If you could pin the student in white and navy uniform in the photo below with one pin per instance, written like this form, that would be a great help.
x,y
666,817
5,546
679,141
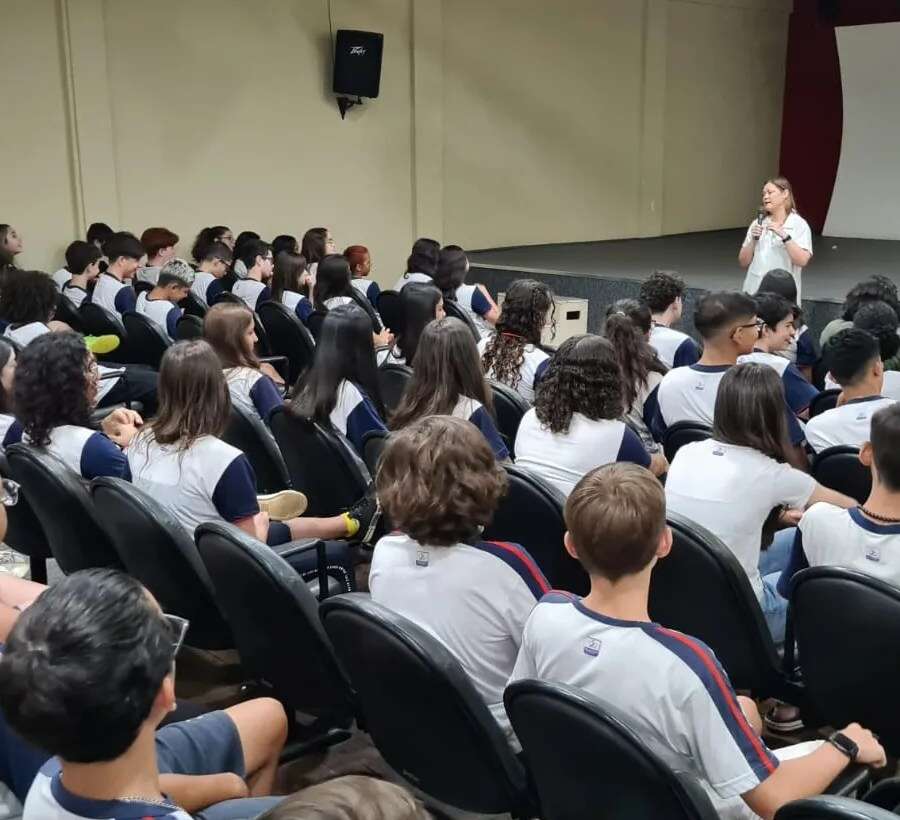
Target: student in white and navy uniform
x,y
801,350
421,263
730,483
211,269
853,357
252,288
447,380
420,304
82,269
511,355
334,289
288,279
113,289
159,245
668,687
486,589
476,302
161,304
10,429
27,304
360,261
663,292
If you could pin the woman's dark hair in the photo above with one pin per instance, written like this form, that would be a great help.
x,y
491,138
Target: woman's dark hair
x,y
418,301
781,282
447,369
51,385
6,399
193,395
313,247
244,238
451,270
284,242
750,412
333,279
583,377
251,250
6,257
637,359
879,319
98,233
225,328
639,313
874,289
522,319
84,664
772,309
289,267
28,296
424,256
205,238
344,353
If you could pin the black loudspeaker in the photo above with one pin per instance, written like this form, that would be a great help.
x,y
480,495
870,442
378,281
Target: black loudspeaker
x,y
357,63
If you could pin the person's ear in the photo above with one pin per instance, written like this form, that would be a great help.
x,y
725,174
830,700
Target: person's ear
x,y
165,702
570,545
866,455
664,547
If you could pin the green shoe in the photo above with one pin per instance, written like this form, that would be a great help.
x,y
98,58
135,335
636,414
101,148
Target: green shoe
x,y
99,345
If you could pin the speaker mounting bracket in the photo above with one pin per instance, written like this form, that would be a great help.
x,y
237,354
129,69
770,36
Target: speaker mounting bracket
x,y
345,104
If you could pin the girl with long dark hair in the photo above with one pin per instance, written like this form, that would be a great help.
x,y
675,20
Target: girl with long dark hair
x,y
290,282
450,278
421,304
334,288
421,264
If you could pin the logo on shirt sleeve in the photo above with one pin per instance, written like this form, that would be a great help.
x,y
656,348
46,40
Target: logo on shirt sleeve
x,y
422,558
873,554
592,647
718,451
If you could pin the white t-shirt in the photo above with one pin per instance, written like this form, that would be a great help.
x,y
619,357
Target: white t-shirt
x,y
254,392
848,424
563,458
148,273
798,392
253,293
890,390
404,280
730,491
687,394
62,276
74,294
113,294
770,252
674,348
534,365
23,334
161,311
473,301
486,592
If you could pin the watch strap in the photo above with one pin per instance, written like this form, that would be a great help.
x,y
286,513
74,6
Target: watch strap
x,y
843,744
786,238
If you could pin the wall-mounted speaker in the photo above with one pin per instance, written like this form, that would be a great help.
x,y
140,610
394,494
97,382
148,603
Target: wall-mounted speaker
x,y
357,63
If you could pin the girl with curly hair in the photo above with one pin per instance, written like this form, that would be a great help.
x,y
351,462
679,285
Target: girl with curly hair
x,y
27,305
880,319
575,424
440,485
512,355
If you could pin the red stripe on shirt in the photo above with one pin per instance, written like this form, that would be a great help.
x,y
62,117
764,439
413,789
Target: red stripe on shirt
x,y
527,560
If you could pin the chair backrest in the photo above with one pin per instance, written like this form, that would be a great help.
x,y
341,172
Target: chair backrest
x,y
314,323
422,710
288,337
68,313
509,407
320,464
701,589
374,443
247,432
62,504
158,551
194,306
140,286
531,514
274,619
605,762
390,309
681,433
24,532
831,807
147,341
189,327
826,400
392,381
839,468
98,321
845,624
453,308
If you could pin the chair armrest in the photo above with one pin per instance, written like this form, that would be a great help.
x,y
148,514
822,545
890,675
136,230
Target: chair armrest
x,y
293,547
280,363
323,580
851,782
100,413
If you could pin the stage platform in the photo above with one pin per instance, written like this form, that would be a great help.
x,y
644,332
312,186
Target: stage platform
x,y
602,272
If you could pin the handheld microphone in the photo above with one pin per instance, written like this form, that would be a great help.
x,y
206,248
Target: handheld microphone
x,y
760,216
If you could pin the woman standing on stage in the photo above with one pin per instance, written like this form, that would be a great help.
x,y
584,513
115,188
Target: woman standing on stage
x,y
778,238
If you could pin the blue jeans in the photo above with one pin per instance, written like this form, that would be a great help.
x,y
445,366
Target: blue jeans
x,y
771,563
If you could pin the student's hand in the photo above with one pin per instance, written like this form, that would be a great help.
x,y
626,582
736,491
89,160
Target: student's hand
x,y
790,518
658,464
871,752
383,339
272,373
122,425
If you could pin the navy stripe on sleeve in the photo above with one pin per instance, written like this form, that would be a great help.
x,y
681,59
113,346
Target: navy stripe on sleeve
x,y
480,303
172,318
13,434
362,419
483,421
101,457
303,310
651,407
518,559
687,353
125,299
235,494
265,295
540,371
265,397
797,391
632,449
796,561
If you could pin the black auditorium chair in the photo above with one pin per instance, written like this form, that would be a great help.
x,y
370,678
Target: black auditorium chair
x,y
605,764
158,551
189,327
392,381
681,433
314,323
422,710
194,306
68,313
321,463
374,443
531,514
701,589
24,532
96,320
288,337
839,468
826,400
390,309
829,807
62,504
147,341
452,308
247,432
509,407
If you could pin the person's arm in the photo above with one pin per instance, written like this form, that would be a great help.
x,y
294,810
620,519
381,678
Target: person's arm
x,y
15,595
234,498
799,255
195,792
745,257
831,497
256,526
492,313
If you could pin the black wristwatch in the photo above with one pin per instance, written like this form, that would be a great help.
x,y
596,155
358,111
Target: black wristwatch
x,y
786,238
842,743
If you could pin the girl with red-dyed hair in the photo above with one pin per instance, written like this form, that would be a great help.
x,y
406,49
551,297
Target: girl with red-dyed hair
x,y
360,262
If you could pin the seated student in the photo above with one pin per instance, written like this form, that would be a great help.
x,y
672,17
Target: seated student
x,y
450,278
180,460
173,281
874,289
447,381
667,686
802,350
776,315
420,304
576,422
54,392
880,319
27,304
159,245
853,359
360,261
285,243
334,288
238,268
317,243
110,760
341,387
288,282
512,354
98,233
215,259
663,293
113,289
230,330
11,246
81,270
252,287
10,429
439,485
215,234
730,483
421,264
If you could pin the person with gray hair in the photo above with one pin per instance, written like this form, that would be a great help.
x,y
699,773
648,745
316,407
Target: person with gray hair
x,y
161,304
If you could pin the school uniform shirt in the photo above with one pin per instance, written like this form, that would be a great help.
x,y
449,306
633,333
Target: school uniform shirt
x,y
86,452
798,392
298,303
252,292
475,412
730,491
422,278
890,389
337,301
667,686
367,288
770,252
113,294
206,287
210,481
641,413
801,350
165,313
534,365
848,424
148,273
253,391
486,590
674,348
472,300
354,415
76,295
61,276
23,334
10,430
563,458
